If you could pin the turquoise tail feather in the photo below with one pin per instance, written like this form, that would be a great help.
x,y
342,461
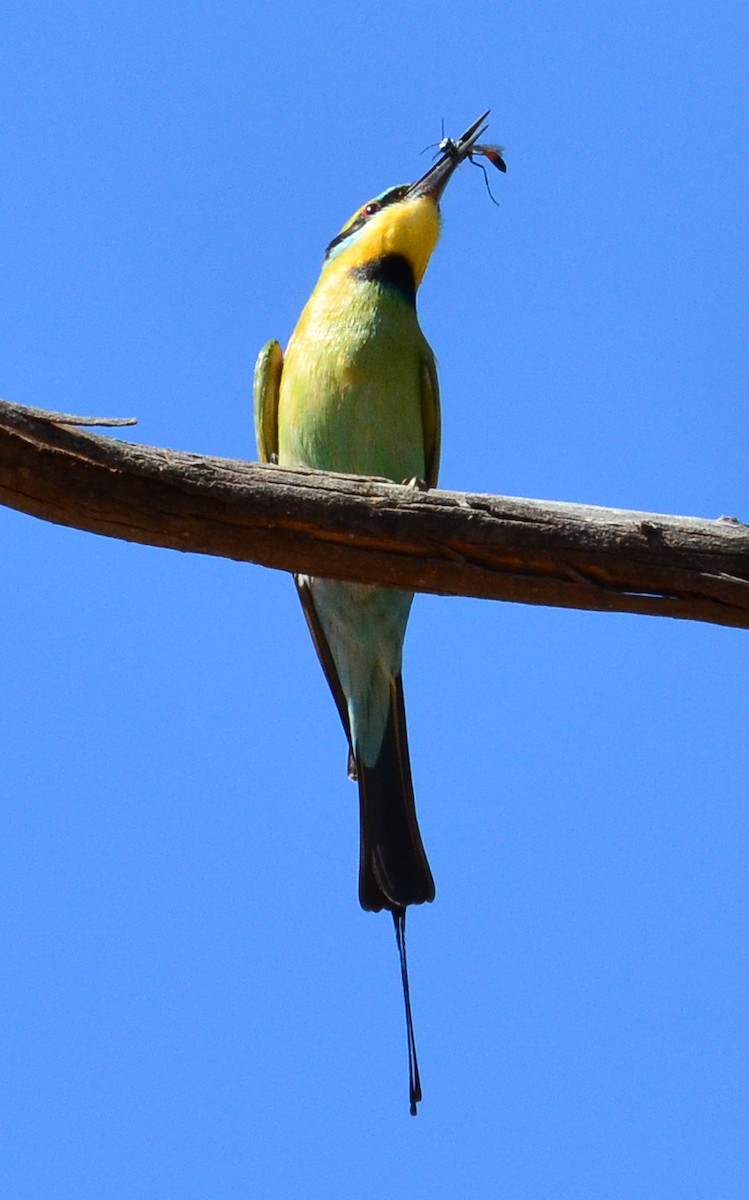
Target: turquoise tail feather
x,y
393,867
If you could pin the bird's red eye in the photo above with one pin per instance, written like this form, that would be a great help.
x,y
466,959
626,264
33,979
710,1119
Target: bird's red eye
x,y
371,208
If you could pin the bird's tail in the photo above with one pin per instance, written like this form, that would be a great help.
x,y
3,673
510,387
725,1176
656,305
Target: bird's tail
x,y
393,867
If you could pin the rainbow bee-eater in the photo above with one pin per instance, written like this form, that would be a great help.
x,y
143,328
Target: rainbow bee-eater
x,y
357,392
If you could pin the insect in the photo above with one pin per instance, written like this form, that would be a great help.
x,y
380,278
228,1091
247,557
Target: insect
x,y
449,148
493,153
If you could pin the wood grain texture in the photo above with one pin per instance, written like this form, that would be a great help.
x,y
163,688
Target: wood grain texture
x,y
346,527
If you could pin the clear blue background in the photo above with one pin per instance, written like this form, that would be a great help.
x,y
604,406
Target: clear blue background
x,y
193,1004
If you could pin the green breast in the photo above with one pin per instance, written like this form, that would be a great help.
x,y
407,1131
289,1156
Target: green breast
x,y
350,396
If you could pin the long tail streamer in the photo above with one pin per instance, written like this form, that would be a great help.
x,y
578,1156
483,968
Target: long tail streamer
x,y
414,1080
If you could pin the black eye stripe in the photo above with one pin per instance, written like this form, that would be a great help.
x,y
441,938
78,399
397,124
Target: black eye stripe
x,y
392,196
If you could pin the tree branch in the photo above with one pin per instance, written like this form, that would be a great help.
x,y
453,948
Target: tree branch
x,y
346,527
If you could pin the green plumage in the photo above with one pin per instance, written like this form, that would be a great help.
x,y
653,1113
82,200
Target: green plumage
x,y
351,394
357,392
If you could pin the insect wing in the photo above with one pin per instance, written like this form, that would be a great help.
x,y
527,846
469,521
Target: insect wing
x,y
494,154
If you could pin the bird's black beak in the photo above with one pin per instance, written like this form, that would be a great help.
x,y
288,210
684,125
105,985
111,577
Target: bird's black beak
x,y
437,177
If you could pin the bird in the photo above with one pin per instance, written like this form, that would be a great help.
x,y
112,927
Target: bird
x,y
357,392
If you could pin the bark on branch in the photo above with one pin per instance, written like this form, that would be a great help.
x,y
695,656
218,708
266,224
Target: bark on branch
x,y
346,527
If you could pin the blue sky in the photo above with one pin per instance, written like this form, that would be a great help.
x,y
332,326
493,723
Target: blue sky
x,y
193,1003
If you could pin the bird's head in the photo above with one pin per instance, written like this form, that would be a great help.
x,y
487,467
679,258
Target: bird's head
x,y
403,222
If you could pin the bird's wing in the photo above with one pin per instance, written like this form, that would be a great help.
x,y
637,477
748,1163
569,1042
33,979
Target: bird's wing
x,y
430,417
325,655
266,387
